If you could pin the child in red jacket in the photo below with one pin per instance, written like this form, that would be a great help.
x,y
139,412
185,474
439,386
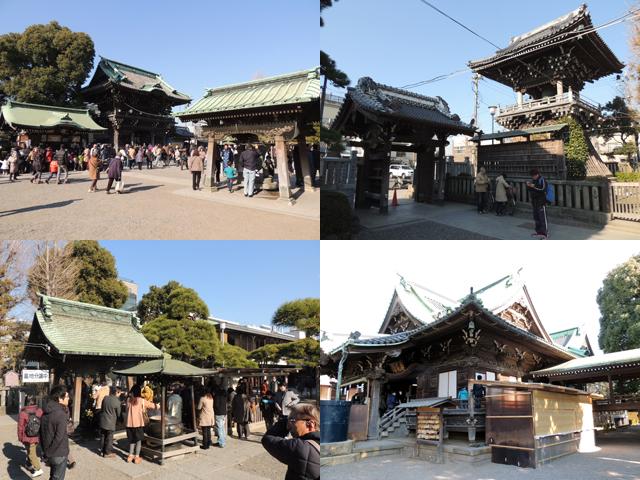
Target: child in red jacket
x,y
29,433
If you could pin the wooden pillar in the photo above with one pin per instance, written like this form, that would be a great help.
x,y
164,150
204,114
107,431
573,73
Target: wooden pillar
x,y
163,419
116,138
153,138
361,165
210,174
610,389
559,88
283,168
77,397
520,97
384,183
374,411
441,171
193,415
303,151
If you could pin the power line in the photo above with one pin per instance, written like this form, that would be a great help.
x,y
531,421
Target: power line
x,y
625,17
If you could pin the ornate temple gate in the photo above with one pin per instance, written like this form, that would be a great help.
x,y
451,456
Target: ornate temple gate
x,y
385,119
261,110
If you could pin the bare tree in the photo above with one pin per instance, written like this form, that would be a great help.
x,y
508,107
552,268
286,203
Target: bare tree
x,y
54,272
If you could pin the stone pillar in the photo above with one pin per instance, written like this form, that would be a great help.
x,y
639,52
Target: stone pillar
x,y
559,88
77,396
132,140
116,138
374,408
520,97
303,151
570,92
153,138
283,168
210,173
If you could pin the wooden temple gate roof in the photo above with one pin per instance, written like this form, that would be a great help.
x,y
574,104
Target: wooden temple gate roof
x,y
385,104
30,116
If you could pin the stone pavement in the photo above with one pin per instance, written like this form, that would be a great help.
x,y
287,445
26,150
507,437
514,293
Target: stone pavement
x,y
157,204
618,458
239,460
411,220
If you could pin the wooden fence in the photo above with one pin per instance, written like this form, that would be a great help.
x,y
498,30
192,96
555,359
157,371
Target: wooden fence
x,y
588,201
339,173
626,201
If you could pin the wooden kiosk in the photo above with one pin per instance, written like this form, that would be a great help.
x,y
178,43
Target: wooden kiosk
x,y
166,371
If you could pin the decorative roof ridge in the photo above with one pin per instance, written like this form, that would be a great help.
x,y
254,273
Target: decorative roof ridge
x,y
11,103
573,17
266,80
131,67
46,302
564,331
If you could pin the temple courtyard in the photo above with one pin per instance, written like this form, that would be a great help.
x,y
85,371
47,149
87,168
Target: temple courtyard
x,y
239,460
157,203
618,458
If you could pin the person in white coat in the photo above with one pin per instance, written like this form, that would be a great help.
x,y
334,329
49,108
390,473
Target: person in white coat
x,y
502,186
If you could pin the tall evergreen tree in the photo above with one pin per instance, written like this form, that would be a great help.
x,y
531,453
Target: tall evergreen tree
x,y
98,281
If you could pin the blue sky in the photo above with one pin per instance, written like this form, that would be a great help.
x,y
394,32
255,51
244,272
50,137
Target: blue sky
x,y
242,281
400,42
193,44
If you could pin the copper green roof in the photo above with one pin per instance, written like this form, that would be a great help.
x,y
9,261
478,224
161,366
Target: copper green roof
x,y
32,116
290,89
74,328
597,363
137,79
166,366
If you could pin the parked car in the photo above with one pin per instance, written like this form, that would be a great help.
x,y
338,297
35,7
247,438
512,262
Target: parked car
x,y
401,171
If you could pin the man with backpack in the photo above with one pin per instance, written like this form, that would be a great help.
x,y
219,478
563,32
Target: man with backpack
x,y
538,191
301,453
29,433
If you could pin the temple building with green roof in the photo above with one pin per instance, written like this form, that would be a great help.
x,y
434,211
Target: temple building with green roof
x,y
134,104
46,124
78,340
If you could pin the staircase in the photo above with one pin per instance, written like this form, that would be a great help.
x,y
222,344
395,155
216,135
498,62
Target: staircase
x,y
397,422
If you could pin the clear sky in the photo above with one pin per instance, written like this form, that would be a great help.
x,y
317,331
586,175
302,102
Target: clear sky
x,y
241,281
563,278
193,44
400,42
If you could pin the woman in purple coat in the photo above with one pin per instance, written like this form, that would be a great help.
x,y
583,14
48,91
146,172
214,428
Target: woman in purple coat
x,y
114,172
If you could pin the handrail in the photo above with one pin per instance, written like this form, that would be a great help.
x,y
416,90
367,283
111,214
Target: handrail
x,y
568,97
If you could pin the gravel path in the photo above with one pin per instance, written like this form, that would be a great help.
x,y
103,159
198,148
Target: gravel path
x,y
152,207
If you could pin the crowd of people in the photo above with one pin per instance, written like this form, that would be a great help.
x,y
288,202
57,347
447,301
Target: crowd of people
x,y
239,163
108,408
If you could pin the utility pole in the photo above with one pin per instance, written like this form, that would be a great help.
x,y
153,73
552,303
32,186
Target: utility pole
x,y
476,101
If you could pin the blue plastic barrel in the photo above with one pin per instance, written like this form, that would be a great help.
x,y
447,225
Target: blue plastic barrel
x,y
334,420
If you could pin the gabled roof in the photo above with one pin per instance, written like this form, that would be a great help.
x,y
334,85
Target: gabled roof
x,y
134,78
398,104
471,301
237,327
165,366
575,26
290,89
75,328
424,305
33,116
574,340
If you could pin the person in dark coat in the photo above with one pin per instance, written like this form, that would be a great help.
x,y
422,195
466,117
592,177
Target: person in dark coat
x,y
250,159
114,172
111,410
538,193
53,432
30,442
302,452
241,411
268,408
220,411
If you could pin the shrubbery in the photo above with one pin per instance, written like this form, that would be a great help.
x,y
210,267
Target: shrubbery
x,y
628,176
335,216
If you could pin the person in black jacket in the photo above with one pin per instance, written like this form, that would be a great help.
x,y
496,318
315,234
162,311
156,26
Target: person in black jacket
x,y
220,412
250,159
53,432
302,452
538,192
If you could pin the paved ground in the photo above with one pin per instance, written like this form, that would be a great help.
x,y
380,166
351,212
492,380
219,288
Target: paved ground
x,y
451,221
157,204
239,460
618,458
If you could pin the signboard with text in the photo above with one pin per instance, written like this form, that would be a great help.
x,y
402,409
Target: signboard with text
x,y
35,376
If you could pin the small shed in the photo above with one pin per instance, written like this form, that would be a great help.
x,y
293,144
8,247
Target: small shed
x,y
166,370
528,424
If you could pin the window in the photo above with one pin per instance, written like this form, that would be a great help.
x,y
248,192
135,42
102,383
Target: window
x,y
447,384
